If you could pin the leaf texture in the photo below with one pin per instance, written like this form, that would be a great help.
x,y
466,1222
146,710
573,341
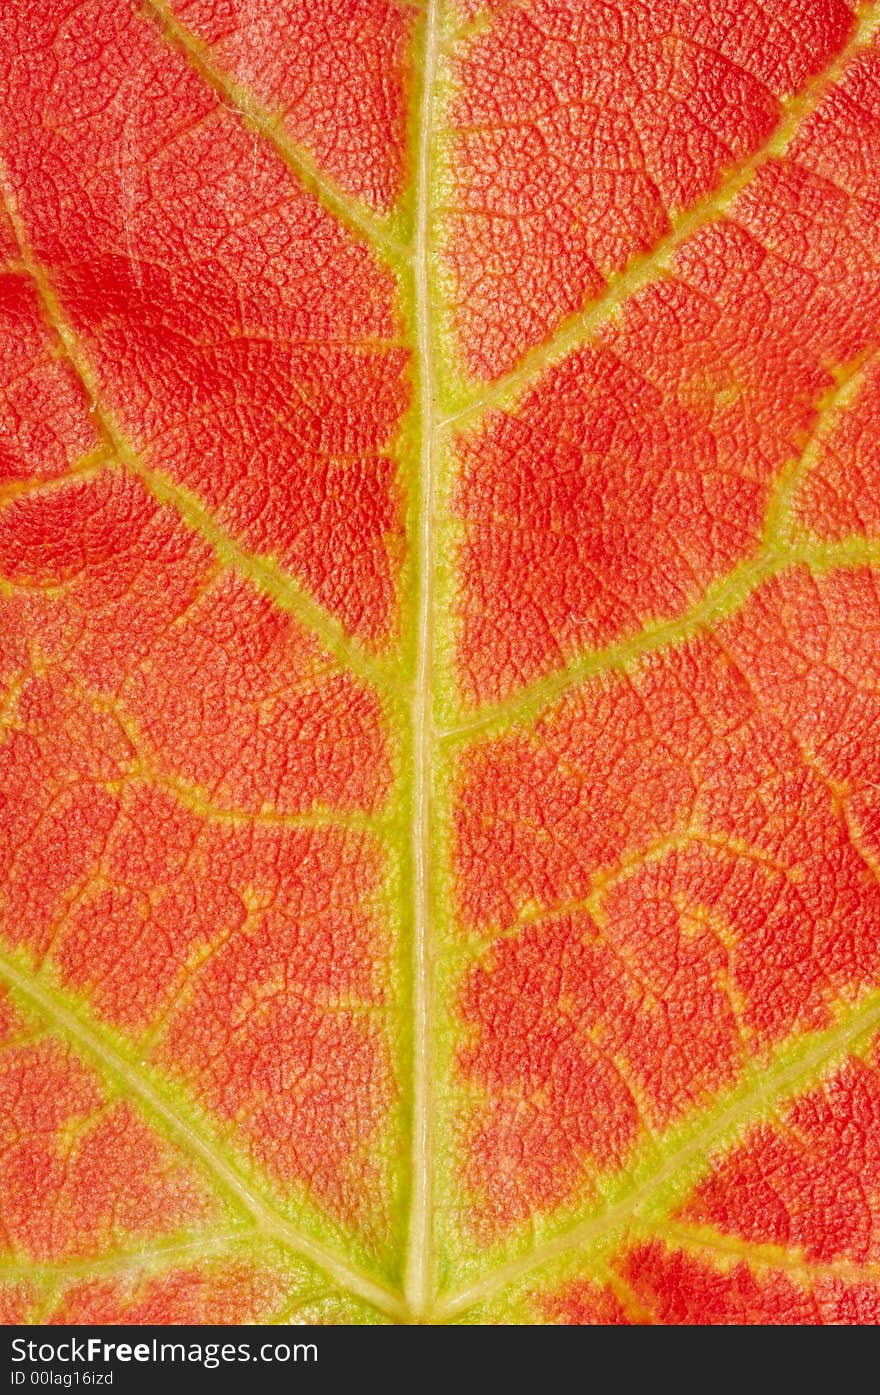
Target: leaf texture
x,y
440,661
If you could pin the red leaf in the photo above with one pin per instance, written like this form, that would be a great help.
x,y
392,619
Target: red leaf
x,y
439,663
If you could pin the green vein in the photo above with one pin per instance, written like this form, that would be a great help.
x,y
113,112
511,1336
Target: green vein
x,y
88,467
350,211
169,1108
263,571
661,1175
155,1258
194,799
776,553
584,325
605,879
419,1262
721,600
150,1257
193,796
466,30
733,1249
833,404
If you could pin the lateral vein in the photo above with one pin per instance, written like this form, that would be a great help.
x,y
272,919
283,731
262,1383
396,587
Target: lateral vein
x,y
263,571
264,123
583,326
658,1181
156,1256
187,1131
695,1238
775,553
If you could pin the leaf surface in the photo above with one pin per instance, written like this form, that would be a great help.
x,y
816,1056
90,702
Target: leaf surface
x,y
439,662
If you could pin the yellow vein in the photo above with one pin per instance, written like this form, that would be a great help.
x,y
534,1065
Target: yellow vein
x,y
419,1263
152,1257
86,468
264,572
269,126
184,1126
627,1297
848,384
603,881
194,797
695,1238
659,1179
722,600
481,23
191,797
584,325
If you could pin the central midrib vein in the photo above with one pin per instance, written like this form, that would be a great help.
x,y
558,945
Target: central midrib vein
x,y
419,1260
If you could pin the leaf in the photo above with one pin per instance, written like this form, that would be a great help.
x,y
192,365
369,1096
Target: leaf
x,y
439,541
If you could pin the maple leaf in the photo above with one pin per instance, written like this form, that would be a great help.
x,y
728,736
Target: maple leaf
x,y
439,661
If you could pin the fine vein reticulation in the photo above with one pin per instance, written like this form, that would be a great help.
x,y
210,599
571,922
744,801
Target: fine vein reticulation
x,y
479,861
